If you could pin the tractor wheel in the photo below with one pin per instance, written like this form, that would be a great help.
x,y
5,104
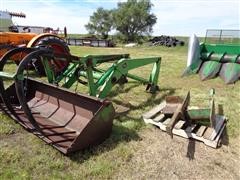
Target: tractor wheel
x,y
5,48
16,57
59,46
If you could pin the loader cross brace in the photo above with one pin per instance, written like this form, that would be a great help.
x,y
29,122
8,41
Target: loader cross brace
x,y
101,81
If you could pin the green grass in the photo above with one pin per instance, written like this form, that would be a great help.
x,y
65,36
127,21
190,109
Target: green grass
x,y
24,156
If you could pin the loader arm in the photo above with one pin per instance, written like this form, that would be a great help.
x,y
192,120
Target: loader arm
x,y
121,69
100,81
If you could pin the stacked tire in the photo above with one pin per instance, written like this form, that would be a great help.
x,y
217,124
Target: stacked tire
x,y
167,41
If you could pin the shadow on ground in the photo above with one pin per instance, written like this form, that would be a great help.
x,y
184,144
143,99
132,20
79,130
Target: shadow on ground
x,y
121,133
153,100
225,137
191,149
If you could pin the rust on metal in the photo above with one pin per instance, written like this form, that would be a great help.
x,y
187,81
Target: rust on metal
x,y
180,113
172,103
68,121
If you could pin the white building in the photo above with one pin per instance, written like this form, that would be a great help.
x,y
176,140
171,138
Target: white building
x,y
6,24
5,21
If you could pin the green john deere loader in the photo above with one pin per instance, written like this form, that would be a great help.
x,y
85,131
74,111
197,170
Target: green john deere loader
x,y
66,119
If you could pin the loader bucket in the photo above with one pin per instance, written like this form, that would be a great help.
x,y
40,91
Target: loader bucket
x,y
66,120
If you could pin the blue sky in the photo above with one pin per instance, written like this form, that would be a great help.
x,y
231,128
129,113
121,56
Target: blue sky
x,y
182,17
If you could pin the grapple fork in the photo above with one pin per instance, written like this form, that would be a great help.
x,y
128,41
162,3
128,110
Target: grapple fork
x,y
66,120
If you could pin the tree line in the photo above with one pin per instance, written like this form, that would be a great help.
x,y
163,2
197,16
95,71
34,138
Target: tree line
x,y
131,20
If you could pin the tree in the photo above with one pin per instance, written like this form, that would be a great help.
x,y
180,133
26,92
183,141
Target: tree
x,y
100,23
133,19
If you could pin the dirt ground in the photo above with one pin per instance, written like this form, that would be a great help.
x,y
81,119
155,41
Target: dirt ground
x,y
157,156
133,150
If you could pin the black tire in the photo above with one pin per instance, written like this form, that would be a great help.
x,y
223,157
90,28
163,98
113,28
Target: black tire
x,y
4,48
52,42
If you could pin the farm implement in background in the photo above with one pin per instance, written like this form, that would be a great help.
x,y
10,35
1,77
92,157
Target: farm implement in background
x,y
176,117
12,36
67,120
30,40
218,55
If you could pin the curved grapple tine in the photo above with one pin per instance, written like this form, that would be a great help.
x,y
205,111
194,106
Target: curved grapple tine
x,y
20,88
66,120
9,101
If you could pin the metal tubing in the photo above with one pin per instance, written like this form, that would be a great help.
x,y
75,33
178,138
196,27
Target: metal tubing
x,y
19,85
4,95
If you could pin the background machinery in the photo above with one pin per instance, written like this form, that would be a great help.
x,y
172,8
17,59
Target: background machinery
x,y
12,36
219,54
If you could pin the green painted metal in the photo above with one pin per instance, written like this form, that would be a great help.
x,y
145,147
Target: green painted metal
x,y
209,69
6,75
154,76
221,48
137,78
102,58
91,84
193,68
121,68
69,76
205,55
216,59
11,76
199,114
220,52
48,71
101,81
130,76
96,75
230,72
